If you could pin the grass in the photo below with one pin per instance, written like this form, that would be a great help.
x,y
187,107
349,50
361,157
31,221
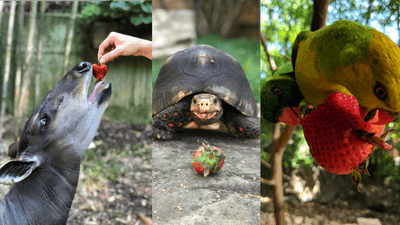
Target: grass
x,y
97,164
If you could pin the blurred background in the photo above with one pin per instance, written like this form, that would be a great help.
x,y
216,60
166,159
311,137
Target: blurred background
x,y
312,195
40,42
231,26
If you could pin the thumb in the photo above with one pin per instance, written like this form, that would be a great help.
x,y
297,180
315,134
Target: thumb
x,y
111,55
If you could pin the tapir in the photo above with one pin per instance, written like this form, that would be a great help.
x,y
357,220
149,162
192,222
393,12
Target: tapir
x,y
50,149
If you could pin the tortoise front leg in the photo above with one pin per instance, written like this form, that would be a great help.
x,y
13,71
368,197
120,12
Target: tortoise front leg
x,y
171,119
242,126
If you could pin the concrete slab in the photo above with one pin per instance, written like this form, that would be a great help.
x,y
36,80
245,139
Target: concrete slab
x,y
182,196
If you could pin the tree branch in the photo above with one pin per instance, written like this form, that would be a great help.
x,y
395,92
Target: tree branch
x,y
267,182
270,59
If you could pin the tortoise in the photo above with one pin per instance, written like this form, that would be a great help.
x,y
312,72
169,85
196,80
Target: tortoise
x,y
202,87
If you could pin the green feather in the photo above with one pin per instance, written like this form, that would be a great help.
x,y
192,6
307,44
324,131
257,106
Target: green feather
x,y
272,105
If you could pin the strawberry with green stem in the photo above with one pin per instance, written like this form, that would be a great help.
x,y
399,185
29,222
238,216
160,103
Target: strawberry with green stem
x,y
339,138
208,159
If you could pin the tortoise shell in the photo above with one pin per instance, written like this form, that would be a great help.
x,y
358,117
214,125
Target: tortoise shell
x,y
203,69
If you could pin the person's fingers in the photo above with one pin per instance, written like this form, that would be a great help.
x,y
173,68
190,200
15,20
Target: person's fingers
x,y
106,45
102,48
110,56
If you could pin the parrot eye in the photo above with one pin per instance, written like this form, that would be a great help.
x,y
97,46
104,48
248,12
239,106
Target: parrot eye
x,y
380,91
277,91
194,101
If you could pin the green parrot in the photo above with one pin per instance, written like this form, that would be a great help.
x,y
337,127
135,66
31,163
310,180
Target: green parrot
x,y
353,59
280,98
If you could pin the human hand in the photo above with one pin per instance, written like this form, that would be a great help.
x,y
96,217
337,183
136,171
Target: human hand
x,y
117,44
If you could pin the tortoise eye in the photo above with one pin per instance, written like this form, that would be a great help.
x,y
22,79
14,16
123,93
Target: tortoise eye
x,y
277,91
380,91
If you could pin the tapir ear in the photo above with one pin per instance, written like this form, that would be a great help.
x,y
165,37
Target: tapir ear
x,y
13,150
16,170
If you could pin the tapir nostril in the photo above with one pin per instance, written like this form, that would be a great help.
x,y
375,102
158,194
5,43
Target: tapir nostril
x,y
83,67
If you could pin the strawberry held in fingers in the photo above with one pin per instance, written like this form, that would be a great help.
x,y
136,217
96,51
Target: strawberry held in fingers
x,y
99,71
208,159
339,138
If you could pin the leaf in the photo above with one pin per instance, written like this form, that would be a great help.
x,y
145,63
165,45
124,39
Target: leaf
x,y
137,2
146,7
136,20
148,19
204,146
119,5
198,160
206,171
356,178
216,168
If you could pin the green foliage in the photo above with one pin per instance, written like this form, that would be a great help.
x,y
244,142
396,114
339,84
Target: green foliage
x,y
296,153
385,166
383,12
386,169
120,113
281,22
135,12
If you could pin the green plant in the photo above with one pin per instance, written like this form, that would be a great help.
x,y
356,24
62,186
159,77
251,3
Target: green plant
x,y
135,12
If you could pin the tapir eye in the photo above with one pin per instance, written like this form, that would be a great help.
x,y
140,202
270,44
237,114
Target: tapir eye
x,y
43,123
277,91
380,91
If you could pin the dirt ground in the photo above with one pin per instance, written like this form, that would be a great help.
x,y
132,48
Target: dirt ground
x,y
111,198
332,200
311,213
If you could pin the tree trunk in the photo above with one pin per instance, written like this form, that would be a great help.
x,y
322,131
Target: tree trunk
x,y
70,36
24,97
1,9
8,65
18,64
231,14
319,15
279,142
39,53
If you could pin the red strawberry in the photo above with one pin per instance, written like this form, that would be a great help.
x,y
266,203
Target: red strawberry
x,y
207,160
381,116
99,71
338,137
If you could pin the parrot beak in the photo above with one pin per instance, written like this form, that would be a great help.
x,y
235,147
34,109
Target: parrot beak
x,y
378,116
290,115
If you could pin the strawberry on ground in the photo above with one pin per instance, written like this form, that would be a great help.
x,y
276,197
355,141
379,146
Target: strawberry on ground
x,y
99,71
338,137
207,159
